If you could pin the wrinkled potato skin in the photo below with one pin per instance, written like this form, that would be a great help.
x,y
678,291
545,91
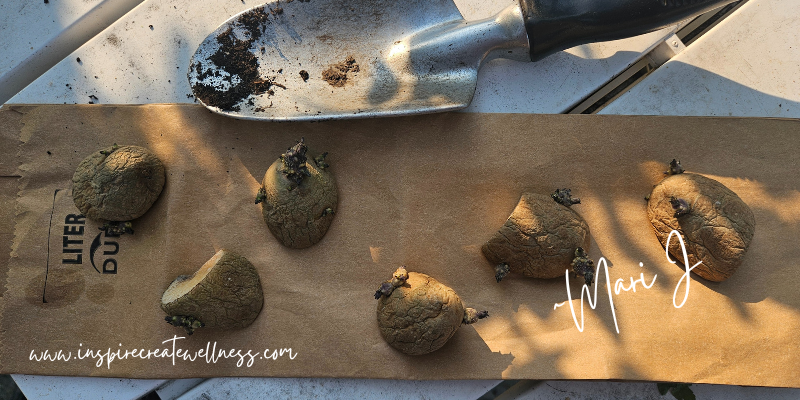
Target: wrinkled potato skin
x,y
420,316
539,238
295,217
230,297
120,186
717,230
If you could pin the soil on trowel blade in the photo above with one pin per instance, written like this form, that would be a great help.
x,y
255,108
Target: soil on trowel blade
x,y
236,57
337,74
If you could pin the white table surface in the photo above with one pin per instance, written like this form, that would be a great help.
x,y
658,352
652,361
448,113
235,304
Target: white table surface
x,y
36,35
749,65
29,25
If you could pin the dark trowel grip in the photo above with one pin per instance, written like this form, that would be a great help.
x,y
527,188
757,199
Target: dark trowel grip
x,y
555,25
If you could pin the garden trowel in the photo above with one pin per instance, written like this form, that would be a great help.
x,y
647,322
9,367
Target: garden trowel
x,y
332,59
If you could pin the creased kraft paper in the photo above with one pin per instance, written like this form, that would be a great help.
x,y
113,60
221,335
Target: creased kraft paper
x,y
425,192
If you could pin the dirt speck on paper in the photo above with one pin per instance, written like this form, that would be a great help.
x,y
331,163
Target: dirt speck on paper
x,y
337,74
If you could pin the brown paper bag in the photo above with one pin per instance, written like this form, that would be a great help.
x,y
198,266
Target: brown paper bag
x,y
424,192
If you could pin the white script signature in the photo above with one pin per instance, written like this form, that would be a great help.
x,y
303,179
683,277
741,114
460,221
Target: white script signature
x,y
619,284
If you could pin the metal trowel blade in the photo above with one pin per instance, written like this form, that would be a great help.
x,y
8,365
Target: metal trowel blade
x,y
332,59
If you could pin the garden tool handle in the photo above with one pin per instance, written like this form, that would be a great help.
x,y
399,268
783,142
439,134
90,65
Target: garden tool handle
x,y
555,25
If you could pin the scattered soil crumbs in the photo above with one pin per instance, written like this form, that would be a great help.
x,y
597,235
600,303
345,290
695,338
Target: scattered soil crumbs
x,y
235,57
113,40
336,75
304,75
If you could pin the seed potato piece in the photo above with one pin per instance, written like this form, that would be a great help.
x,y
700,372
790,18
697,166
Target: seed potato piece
x,y
420,314
224,293
118,183
717,227
539,238
298,198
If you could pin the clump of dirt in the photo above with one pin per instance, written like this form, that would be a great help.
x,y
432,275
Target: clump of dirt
x,y
235,57
114,40
716,225
304,75
336,75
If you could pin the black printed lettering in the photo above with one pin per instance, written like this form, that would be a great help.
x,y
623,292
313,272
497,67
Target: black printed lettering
x,y
107,269
73,219
73,230
111,252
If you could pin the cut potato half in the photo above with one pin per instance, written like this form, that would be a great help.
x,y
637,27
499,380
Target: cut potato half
x,y
224,293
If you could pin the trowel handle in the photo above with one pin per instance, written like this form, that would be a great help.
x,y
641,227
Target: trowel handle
x,y
555,25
